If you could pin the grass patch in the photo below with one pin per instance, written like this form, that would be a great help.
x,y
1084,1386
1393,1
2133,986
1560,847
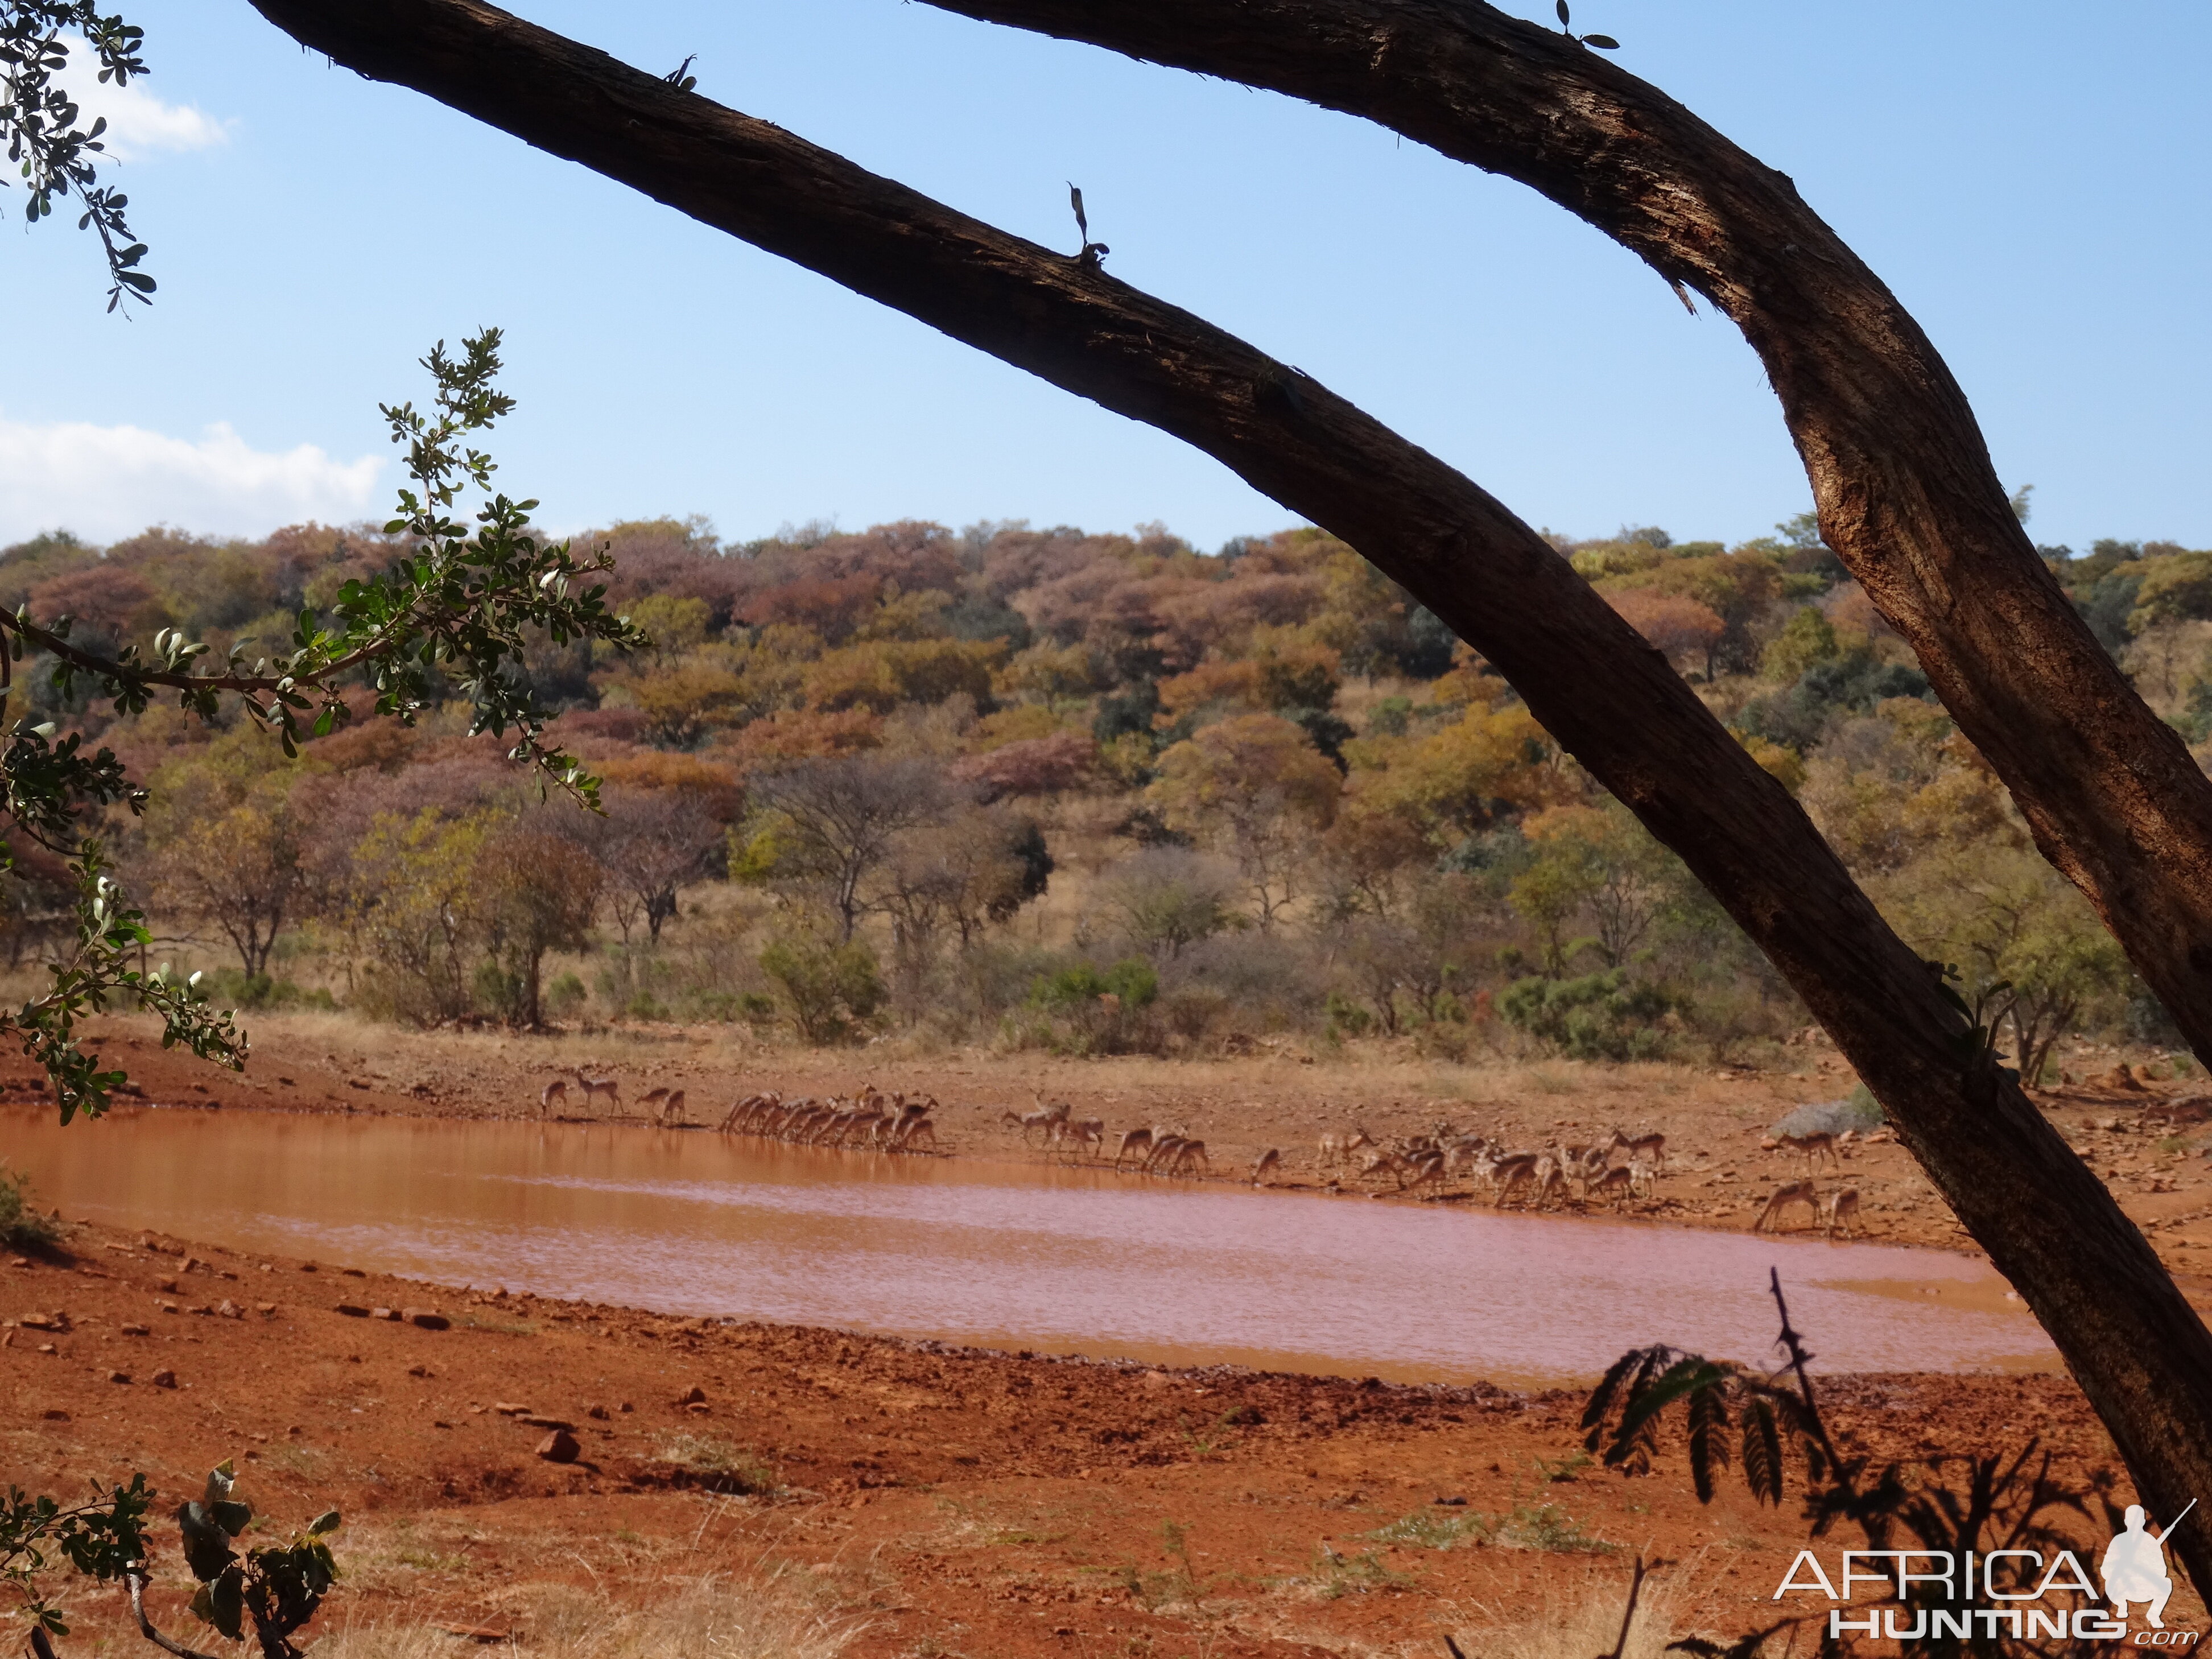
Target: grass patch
x,y
1564,1470
1335,1576
1546,1083
2174,1143
21,1227
503,1326
1431,1529
1544,1527
1549,1527
700,1460
767,1617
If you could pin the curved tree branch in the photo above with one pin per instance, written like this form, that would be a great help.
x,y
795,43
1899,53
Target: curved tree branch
x,y
2139,1350
137,1582
1899,470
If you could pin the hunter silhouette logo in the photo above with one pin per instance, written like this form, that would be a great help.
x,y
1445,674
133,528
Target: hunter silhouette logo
x,y
2134,1567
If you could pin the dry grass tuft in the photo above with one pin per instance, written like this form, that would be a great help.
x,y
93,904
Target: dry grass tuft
x,y
1578,1621
768,1617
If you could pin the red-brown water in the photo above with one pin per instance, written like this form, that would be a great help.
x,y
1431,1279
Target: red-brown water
x,y
1052,1259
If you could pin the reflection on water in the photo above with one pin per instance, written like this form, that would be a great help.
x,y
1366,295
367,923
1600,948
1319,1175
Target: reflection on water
x,y
1051,1259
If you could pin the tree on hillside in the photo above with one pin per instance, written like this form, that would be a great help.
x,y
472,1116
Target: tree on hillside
x,y
830,824
1259,779
414,909
245,872
651,844
1168,899
540,891
1900,472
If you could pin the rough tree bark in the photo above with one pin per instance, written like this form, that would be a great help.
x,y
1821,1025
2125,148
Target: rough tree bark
x,y
1899,467
2139,1351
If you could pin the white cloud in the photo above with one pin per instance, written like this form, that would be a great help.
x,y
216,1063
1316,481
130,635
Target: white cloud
x,y
138,123
108,481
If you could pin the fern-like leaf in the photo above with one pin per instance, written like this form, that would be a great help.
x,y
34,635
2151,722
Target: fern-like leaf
x,y
1709,1425
1762,1451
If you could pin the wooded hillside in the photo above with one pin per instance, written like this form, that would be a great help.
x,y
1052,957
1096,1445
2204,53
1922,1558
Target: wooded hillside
x,y
1098,792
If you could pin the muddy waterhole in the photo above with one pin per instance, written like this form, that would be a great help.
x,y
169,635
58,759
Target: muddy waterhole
x,y
1035,1256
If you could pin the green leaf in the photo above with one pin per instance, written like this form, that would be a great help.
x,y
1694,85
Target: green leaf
x,y
207,1546
326,1522
1602,42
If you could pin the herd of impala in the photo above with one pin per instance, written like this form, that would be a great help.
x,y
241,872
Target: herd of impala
x,y
892,1122
1619,1167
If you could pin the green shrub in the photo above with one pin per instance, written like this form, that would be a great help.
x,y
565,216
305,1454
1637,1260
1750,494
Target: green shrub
x,y
240,990
566,997
1132,982
1346,1018
1598,1016
832,990
1101,1012
21,1226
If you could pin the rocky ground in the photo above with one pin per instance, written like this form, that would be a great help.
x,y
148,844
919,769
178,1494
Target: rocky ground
x,y
931,1502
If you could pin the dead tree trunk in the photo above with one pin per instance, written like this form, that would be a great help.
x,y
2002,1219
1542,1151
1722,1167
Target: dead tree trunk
x,y
2137,1348
1899,467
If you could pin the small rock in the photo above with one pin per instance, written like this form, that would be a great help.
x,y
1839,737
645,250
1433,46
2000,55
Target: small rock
x,y
391,1313
208,1311
168,1284
418,1370
55,1416
353,1310
559,1447
508,1408
228,1309
353,1272
266,1309
164,1379
118,1376
598,1413
166,1307
136,1330
700,1408
428,1319
537,1422
693,1395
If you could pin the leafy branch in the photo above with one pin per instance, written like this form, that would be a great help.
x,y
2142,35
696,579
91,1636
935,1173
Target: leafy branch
x,y
460,609
2003,1501
1602,42
102,1538
39,120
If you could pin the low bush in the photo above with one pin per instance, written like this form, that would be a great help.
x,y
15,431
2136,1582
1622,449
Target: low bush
x,y
21,1226
1604,1016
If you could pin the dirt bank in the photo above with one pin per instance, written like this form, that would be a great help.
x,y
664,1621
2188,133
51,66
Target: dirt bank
x,y
946,1502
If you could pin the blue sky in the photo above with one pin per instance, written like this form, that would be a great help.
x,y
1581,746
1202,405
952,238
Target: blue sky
x,y
2030,178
